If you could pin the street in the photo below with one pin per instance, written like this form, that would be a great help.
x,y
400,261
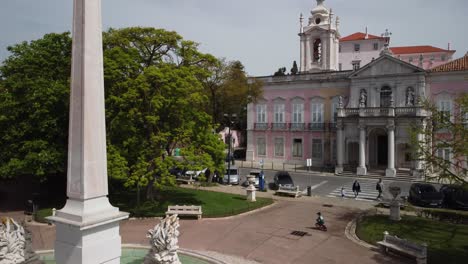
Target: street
x,y
330,186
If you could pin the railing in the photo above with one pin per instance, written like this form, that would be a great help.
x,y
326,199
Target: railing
x,y
279,126
297,126
381,111
316,126
260,126
332,126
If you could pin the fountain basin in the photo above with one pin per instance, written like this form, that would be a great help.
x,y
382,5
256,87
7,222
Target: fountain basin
x,y
135,254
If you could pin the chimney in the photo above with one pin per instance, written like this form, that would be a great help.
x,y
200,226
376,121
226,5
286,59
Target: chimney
x,y
367,34
448,46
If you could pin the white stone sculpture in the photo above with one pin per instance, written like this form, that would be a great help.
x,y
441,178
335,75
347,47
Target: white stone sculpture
x,y
363,98
15,243
395,204
164,242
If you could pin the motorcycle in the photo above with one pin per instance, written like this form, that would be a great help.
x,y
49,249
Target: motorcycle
x,y
320,226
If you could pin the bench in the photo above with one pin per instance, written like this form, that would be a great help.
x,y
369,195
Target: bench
x,y
405,247
291,191
185,179
185,210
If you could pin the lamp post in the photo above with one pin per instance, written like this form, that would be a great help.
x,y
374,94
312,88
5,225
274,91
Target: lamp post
x,y
230,123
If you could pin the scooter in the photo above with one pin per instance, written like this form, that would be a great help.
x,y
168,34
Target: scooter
x,y
322,227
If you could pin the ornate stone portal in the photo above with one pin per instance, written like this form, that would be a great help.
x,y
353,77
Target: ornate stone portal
x,y
164,242
15,243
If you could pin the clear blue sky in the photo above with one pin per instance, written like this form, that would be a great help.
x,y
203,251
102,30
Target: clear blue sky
x,y
262,34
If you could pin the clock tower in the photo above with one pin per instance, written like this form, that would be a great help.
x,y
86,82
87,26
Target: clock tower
x,y
319,40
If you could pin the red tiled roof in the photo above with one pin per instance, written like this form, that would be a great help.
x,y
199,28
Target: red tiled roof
x,y
460,64
417,50
359,36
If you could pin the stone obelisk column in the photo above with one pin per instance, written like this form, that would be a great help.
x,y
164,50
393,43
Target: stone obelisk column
x,y
88,226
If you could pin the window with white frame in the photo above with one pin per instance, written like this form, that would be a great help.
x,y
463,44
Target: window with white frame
x,y
297,147
317,148
279,147
356,65
357,47
316,109
445,108
261,147
261,113
444,153
298,112
279,112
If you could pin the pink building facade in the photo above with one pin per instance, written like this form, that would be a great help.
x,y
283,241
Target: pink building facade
x,y
356,120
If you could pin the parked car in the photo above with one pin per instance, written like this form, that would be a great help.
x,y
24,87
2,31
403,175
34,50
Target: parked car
x,y
424,194
177,171
195,174
232,175
282,178
455,197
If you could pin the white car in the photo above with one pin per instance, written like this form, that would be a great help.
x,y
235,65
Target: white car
x,y
233,176
195,174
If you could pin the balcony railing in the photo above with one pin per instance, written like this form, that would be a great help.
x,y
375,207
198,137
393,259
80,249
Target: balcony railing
x,y
279,126
317,126
382,111
297,126
260,126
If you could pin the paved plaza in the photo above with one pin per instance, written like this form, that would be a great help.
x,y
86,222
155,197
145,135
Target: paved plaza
x,y
263,236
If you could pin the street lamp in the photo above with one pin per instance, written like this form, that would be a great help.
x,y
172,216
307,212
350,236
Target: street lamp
x,y
230,118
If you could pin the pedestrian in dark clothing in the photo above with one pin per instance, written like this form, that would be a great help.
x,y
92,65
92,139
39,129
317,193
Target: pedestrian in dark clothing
x,y
356,188
379,187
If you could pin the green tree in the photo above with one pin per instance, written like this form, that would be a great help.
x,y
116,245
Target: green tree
x,y
34,107
156,102
442,142
230,90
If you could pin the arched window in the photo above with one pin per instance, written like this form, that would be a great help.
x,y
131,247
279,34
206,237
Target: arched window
x,y
385,96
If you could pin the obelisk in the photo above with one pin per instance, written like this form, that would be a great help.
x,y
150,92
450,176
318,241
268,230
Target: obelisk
x,y
88,225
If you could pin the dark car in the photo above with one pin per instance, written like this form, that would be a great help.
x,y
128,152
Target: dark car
x,y
282,178
177,171
455,197
424,194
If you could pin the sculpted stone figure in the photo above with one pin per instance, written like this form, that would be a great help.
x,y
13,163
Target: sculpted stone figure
x,y
410,97
340,101
164,242
15,243
363,98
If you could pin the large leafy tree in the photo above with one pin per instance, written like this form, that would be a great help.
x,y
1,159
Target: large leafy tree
x,y
230,91
156,103
441,143
34,107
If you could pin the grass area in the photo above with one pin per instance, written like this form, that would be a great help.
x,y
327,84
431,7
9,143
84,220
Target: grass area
x,y
214,204
41,214
447,243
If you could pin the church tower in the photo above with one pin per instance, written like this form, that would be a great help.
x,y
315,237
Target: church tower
x,y
319,40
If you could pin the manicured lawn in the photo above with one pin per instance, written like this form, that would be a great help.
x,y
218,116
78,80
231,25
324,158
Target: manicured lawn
x,y
447,243
214,204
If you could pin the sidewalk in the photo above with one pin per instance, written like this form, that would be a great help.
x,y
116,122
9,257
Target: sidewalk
x,y
264,236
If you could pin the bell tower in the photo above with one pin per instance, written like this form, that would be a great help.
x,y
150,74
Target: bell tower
x,y
319,40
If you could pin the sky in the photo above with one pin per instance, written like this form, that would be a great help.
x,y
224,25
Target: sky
x,y
262,34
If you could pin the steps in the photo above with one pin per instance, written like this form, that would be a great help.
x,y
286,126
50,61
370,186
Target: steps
x,y
379,173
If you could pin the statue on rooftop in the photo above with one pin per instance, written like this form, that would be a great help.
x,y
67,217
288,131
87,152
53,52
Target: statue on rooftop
x,y
363,98
164,242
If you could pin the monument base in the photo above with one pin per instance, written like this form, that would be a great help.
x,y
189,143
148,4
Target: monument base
x,y
390,172
361,171
395,211
88,232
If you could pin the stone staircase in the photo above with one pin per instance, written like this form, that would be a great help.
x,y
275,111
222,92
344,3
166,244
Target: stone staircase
x,y
401,175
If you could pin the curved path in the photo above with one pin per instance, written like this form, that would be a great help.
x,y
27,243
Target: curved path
x,y
263,236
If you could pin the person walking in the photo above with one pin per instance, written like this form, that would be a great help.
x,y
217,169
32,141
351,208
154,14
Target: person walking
x,y
356,188
379,187
342,192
